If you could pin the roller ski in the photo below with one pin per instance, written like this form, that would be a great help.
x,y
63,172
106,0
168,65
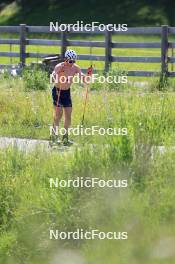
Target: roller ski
x,y
66,142
54,140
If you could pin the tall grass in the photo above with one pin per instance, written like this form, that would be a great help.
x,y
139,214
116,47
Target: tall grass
x,y
29,207
26,111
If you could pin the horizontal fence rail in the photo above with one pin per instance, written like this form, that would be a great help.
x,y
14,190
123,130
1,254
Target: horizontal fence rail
x,y
164,45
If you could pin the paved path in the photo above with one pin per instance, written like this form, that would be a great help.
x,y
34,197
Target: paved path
x,y
27,145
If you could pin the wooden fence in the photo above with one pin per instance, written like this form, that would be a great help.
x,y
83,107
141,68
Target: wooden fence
x,y
108,45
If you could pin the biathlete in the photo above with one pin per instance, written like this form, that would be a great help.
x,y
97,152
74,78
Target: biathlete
x,y
63,74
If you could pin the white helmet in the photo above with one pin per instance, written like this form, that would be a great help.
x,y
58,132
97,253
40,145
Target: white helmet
x,y
70,55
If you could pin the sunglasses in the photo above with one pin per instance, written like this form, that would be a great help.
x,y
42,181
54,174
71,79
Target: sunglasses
x,y
71,61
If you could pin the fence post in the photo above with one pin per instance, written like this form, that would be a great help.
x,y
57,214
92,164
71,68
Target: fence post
x,y
22,44
108,40
164,51
63,43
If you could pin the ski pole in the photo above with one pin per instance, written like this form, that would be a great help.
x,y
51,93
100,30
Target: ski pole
x,y
89,73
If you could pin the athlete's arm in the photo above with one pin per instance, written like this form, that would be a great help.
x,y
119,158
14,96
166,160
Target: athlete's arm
x,y
58,69
82,75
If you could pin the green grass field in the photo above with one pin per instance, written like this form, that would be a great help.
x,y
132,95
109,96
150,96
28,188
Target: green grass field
x,y
145,209
30,112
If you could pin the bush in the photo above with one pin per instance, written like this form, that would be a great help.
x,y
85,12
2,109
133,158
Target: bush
x,y
117,74
35,79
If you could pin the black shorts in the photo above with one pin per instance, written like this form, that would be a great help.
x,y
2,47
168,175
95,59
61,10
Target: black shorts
x,y
64,97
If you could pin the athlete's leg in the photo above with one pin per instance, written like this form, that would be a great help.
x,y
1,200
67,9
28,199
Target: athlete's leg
x,y
67,117
67,123
57,115
57,111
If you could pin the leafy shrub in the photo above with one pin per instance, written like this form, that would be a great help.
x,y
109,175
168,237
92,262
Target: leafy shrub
x,y
35,79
